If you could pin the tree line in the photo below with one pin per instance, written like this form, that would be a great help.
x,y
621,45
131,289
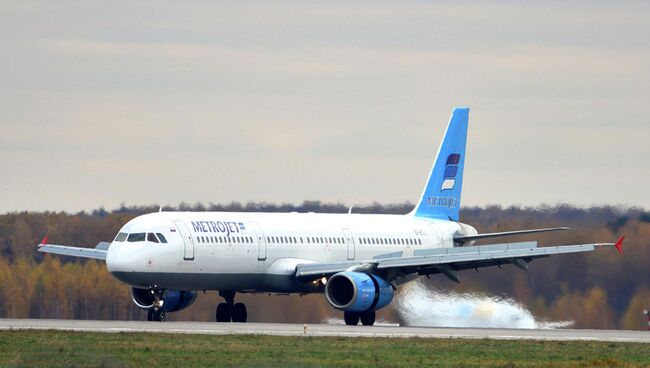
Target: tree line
x,y
596,290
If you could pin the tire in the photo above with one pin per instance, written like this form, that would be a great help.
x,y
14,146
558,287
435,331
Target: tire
x,y
351,318
160,315
150,314
368,318
239,313
224,312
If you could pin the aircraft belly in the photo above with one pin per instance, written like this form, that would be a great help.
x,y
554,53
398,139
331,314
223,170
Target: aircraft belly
x,y
253,282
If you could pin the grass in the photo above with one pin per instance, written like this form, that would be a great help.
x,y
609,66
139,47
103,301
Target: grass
x,y
76,349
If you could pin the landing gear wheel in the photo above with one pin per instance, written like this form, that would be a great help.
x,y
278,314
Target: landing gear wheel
x,y
161,316
239,313
368,318
156,315
351,318
224,312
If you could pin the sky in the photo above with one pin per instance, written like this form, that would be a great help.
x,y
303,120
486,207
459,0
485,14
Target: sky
x,y
104,103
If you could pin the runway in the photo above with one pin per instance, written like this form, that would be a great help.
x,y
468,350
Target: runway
x,y
280,329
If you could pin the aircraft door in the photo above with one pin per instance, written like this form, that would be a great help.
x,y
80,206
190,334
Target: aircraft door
x,y
188,241
349,241
261,241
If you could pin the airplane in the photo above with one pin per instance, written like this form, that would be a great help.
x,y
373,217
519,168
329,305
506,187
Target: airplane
x,y
356,260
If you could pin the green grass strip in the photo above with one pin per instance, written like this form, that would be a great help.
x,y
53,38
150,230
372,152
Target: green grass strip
x,y
77,349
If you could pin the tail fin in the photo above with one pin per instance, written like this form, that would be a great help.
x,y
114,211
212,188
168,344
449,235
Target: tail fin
x,y
441,196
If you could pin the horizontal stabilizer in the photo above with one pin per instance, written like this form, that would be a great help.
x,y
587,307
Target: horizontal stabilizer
x,y
94,253
466,238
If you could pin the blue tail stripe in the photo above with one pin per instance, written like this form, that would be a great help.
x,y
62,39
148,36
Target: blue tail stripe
x,y
441,196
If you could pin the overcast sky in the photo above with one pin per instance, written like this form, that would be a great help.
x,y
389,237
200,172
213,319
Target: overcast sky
x,y
159,102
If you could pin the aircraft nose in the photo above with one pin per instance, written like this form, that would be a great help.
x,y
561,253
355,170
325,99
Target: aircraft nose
x,y
119,259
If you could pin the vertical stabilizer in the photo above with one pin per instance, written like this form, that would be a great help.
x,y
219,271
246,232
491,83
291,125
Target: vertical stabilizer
x,y
441,196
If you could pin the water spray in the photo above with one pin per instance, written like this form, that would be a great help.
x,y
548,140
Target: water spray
x,y
419,306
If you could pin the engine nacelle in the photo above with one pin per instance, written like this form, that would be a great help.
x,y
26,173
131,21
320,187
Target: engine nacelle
x,y
173,300
358,292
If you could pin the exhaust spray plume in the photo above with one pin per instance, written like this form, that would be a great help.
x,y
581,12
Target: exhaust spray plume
x,y
419,306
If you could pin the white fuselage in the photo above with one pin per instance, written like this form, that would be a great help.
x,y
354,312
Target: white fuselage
x,y
259,251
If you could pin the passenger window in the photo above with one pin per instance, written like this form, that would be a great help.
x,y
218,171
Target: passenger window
x,y
136,237
121,237
161,237
152,238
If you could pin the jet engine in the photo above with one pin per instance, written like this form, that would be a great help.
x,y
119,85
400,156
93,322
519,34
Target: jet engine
x,y
358,292
172,300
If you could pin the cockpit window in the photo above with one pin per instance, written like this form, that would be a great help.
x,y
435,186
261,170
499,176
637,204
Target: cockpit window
x,y
152,238
121,237
161,237
136,237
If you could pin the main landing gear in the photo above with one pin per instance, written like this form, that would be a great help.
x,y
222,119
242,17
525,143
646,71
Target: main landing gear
x,y
231,311
352,318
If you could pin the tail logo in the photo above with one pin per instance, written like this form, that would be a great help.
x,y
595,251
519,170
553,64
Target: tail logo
x,y
451,169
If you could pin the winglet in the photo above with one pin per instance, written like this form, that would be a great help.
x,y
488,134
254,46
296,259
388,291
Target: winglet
x,y
43,242
619,244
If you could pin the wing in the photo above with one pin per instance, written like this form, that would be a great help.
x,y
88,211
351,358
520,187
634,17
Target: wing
x,y
447,260
99,252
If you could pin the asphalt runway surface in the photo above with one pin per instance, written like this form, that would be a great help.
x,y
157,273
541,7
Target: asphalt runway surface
x,y
285,329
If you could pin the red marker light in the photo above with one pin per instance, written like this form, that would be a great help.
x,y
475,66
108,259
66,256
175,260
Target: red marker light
x,y
619,244
44,241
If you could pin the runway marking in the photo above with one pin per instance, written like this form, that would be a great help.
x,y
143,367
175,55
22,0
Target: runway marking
x,y
316,330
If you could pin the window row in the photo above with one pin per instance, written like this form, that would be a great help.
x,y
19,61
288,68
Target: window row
x,y
225,239
305,240
391,241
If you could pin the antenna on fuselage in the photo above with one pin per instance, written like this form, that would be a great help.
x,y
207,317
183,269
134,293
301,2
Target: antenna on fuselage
x,y
160,208
350,210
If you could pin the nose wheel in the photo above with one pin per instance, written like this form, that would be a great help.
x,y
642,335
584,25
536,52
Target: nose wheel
x,y
157,315
231,311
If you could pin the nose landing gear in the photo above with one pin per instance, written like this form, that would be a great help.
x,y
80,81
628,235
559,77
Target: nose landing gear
x,y
231,311
155,313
